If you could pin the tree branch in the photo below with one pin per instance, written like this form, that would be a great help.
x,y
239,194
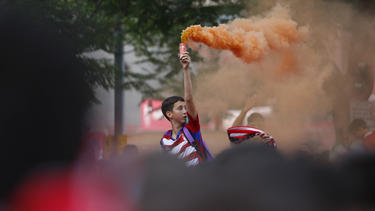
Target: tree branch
x,y
98,4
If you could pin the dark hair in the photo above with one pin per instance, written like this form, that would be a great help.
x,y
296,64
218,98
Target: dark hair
x,y
168,104
357,124
254,116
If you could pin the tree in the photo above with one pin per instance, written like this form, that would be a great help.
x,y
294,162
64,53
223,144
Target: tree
x,y
152,27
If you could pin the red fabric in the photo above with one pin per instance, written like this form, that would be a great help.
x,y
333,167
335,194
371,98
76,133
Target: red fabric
x,y
193,124
64,191
195,128
244,130
239,134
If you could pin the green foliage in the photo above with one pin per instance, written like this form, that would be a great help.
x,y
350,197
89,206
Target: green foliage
x,y
152,27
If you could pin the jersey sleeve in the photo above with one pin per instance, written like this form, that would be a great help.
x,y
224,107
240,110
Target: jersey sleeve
x,y
194,127
193,124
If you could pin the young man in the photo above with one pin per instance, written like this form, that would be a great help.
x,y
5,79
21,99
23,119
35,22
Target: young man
x,y
184,140
253,132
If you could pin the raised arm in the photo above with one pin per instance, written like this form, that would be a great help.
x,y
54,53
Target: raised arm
x,y
190,107
250,103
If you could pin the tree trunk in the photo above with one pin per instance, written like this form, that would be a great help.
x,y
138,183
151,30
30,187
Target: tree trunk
x,y
119,92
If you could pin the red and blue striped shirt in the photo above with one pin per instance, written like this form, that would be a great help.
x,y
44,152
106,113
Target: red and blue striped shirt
x,y
192,154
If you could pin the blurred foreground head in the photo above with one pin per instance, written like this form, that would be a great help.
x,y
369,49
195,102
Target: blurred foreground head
x,y
44,97
246,177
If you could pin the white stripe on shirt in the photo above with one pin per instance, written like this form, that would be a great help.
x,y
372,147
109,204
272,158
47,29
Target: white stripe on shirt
x,y
193,162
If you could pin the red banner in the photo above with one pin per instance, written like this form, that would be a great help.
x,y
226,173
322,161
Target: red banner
x,y
152,118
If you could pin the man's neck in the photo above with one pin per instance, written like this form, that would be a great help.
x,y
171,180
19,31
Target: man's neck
x,y
176,127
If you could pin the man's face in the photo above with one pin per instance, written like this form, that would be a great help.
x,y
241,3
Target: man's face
x,y
178,113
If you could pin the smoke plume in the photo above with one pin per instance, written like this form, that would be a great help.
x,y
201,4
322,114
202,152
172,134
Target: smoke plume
x,y
250,39
295,70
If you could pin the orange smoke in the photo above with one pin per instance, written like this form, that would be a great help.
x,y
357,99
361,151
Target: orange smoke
x,y
249,39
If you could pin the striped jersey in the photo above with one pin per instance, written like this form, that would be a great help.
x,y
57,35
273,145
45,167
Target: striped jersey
x,y
181,147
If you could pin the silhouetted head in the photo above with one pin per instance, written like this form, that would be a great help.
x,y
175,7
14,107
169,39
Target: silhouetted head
x,y
256,120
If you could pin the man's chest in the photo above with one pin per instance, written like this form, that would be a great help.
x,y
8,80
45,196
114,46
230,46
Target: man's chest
x,y
171,143
180,146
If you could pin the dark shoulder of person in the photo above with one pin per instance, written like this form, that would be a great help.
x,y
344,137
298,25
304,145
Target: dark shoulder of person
x,y
44,94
